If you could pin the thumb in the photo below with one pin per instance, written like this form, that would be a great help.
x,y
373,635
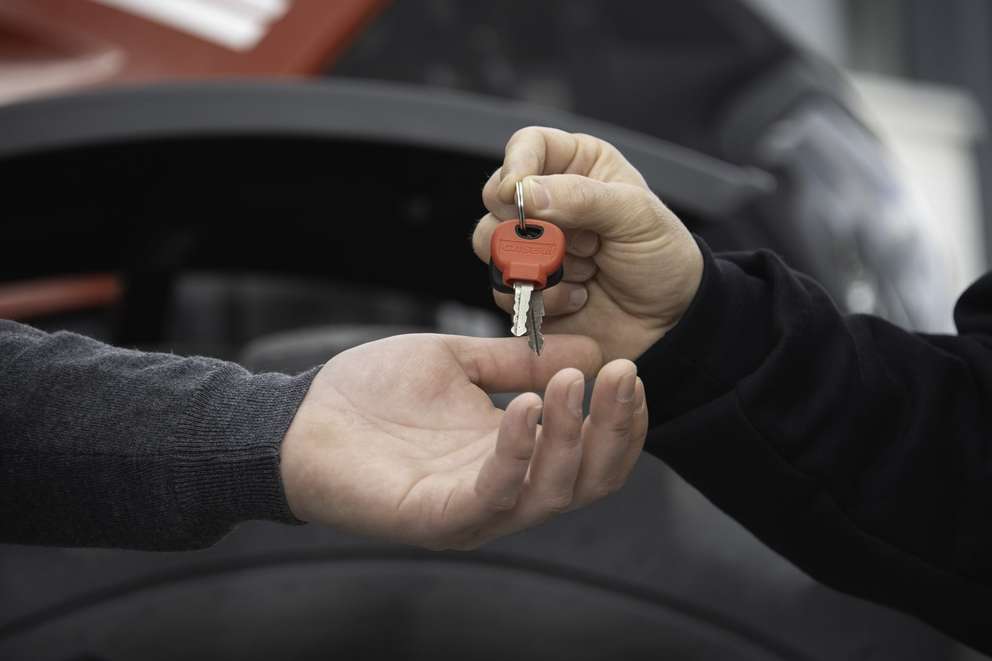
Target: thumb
x,y
508,365
616,211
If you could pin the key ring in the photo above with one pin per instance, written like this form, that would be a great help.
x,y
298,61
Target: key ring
x,y
520,207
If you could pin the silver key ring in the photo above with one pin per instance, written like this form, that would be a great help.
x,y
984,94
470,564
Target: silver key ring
x,y
520,206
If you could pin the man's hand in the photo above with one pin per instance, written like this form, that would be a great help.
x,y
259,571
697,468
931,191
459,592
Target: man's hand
x,y
398,438
631,267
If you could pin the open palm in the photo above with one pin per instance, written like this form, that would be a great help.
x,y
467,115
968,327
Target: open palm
x,y
399,439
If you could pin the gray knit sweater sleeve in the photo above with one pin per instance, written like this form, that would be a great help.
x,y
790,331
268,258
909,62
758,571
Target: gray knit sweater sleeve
x,y
102,446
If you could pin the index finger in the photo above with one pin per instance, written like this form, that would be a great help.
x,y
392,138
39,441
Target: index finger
x,y
508,364
537,150
534,150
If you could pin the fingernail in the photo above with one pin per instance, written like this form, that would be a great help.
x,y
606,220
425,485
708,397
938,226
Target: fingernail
x,y
539,197
578,297
533,415
625,392
576,392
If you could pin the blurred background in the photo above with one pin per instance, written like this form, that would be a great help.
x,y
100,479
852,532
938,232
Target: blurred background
x,y
921,73
213,176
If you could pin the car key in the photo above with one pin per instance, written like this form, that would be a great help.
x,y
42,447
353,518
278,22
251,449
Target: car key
x,y
526,258
535,317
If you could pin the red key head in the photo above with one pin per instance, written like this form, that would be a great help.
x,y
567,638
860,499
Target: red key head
x,y
531,256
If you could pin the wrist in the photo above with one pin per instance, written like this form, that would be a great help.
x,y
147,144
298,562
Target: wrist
x,y
292,468
307,478
682,278
690,276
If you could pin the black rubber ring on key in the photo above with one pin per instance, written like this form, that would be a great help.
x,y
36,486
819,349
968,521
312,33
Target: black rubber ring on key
x,y
496,278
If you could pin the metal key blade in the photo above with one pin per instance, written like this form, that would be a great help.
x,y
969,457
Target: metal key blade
x,y
536,317
521,307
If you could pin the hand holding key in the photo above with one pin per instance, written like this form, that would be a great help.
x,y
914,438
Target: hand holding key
x,y
526,258
398,438
630,269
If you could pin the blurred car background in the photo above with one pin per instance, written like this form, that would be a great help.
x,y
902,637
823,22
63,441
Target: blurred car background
x,y
212,177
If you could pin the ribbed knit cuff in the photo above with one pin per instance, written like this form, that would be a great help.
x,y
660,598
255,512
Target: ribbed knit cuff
x,y
725,334
226,467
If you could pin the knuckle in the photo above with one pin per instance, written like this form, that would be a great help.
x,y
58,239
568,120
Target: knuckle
x,y
582,194
479,243
591,141
599,150
522,136
572,437
611,486
559,502
651,209
652,203
491,185
620,431
595,140
638,203
502,503
522,132
520,452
